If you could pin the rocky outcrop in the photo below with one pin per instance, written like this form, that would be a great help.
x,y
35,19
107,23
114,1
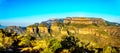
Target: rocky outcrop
x,y
93,30
56,27
64,31
113,31
79,25
83,26
87,31
32,29
78,21
43,28
36,29
83,20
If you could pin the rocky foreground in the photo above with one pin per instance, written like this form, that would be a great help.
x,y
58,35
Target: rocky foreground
x,y
69,35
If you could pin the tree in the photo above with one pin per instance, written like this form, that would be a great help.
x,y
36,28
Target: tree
x,y
25,41
109,49
69,41
54,44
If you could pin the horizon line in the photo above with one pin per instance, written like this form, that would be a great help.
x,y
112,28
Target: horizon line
x,y
27,20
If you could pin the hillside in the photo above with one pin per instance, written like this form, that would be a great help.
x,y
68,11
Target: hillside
x,y
69,35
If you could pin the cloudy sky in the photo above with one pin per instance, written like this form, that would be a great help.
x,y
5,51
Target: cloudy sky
x,y
25,12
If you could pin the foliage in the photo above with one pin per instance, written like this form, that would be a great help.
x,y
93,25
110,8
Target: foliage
x,y
47,50
69,41
54,44
25,41
8,41
109,49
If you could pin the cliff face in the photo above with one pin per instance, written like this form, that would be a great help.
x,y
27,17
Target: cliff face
x,y
83,20
87,31
37,29
79,25
55,28
32,29
113,31
78,21
93,30
43,29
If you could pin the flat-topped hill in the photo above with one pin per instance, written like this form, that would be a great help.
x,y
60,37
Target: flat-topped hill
x,y
84,20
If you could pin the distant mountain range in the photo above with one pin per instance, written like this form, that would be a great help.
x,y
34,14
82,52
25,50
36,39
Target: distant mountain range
x,y
112,23
2,26
16,29
50,21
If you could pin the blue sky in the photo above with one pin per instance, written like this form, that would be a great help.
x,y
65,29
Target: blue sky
x,y
25,12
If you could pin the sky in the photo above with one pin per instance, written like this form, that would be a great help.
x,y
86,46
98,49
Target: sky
x,y
26,12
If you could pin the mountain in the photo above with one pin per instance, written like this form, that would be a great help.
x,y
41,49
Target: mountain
x,y
50,21
82,27
15,29
112,23
68,35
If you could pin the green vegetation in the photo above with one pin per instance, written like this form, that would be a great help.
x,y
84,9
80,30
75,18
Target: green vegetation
x,y
67,44
62,38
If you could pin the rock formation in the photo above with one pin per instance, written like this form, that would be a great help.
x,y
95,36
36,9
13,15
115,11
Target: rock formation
x,y
43,28
83,20
94,30
32,29
90,34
